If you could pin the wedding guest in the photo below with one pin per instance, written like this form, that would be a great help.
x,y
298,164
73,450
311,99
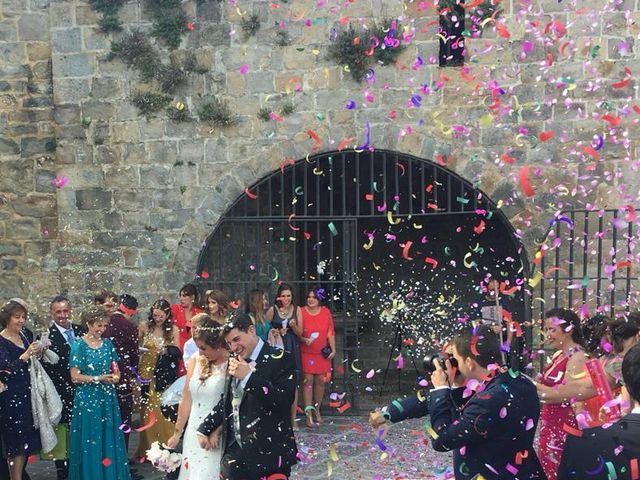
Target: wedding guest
x,y
107,300
159,339
204,388
97,447
612,452
190,347
563,333
62,335
318,347
18,435
217,306
257,306
623,333
286,316
257,439
123,333
183,312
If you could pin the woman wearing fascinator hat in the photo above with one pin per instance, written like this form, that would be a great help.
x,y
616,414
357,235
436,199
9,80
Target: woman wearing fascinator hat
x,y
317,347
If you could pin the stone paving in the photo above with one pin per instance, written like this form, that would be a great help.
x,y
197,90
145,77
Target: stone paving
x,y
342,448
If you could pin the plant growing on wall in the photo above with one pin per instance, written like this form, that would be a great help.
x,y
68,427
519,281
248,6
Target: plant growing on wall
x,y
478,14
108,9
356,49
217,113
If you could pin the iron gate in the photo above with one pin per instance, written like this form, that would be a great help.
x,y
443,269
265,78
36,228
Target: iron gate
x,y
361,225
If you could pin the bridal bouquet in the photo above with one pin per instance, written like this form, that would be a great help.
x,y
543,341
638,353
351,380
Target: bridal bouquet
x,y
162,458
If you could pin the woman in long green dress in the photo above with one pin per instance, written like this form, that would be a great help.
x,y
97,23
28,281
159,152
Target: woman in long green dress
x,y
97,449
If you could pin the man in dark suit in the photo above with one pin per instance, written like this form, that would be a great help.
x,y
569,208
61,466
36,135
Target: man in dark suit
x,y
62,334
124,335
492,433
257,437
614,451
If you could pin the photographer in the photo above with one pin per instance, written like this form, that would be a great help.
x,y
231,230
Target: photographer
x,y
492,434
417,405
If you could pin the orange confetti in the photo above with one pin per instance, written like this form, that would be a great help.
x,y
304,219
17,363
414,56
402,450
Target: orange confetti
x,y
480,227
545,136
592,153
524,182
507,159
502,31
106,462
343,144
344,407
431,261
405,250
613,121
572,431
252,196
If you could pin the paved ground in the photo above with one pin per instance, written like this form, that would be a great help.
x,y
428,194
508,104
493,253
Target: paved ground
x,y
343,448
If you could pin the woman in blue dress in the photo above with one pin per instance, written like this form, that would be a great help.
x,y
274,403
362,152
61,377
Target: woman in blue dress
x,y
286,318
97,449
18,435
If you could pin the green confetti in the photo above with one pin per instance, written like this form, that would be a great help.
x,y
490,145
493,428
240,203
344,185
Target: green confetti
x,y
594,51
333,229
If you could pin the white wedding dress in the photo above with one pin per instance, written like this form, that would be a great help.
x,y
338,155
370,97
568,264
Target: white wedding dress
x,y
198,463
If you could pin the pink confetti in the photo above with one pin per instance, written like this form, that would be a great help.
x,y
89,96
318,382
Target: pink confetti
x,y
244,69
60,182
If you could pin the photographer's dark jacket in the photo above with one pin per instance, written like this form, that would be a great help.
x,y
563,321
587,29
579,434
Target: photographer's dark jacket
x,y
492,434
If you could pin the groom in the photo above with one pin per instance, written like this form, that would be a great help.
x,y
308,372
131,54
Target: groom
x,y
257,438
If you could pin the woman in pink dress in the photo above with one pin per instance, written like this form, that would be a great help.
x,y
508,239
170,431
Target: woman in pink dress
x,y
563,333
317,348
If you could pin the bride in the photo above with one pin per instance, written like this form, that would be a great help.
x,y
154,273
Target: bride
x,y
203,389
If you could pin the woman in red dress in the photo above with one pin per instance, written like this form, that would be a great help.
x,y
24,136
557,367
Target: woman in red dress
x,y
563,333
185,310
317,348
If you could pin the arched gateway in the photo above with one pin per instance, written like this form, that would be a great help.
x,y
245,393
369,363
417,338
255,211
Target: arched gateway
x,y
399,244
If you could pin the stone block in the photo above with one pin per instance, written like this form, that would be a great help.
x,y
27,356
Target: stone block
x,y
66,113
121,177
8,264
127,239
84,153
71,90
151,127
35,205
12,285
37,102
14,71
171,220
33,145
8,30
261,82
93,199
42,70
98,110
82,176
94,39
68,40
236,83
216,150
85,257
44,181
298,60
131,257
8,147
162,152
106,154
74,65
62,14
157,176
152,260
85,15
33,26
133,153
132,200
23,228
12,53
10,248
168,198
126,132
38,51
191,151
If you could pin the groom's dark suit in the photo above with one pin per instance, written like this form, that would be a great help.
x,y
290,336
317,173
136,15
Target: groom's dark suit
x,y
267,442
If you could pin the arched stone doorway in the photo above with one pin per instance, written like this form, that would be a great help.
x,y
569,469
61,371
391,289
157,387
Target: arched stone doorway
x,y
398,243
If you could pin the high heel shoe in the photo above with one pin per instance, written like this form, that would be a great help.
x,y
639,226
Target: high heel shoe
x,y
318,418
308,411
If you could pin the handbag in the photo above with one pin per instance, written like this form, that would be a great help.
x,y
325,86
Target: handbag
x,y
326,351
61,450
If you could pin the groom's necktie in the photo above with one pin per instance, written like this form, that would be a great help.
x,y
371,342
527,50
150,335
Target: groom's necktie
x,y
69,334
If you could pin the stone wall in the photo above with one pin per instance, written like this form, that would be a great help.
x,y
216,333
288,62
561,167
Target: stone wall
x,y
144,192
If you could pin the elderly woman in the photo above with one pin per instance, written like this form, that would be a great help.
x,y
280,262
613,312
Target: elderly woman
x,y
17,431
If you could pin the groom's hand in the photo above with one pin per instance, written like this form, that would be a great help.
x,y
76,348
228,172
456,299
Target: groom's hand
x,y
203,442
238,368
